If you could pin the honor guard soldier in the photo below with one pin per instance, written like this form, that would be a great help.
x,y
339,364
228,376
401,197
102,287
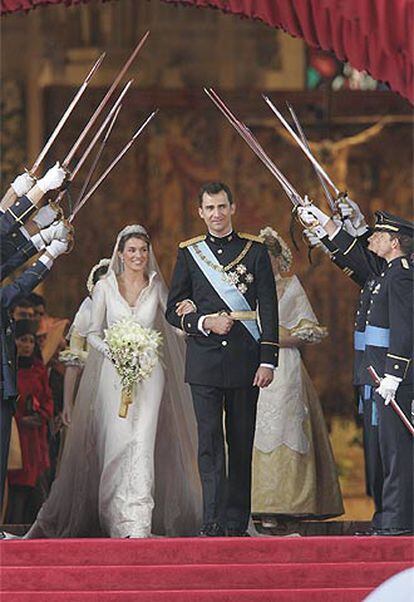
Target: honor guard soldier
x,y
226,279
383,341
14,228
22,286
32,245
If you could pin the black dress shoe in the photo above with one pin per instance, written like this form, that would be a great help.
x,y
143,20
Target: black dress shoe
x,y
392,532
366,533
211,530
237,533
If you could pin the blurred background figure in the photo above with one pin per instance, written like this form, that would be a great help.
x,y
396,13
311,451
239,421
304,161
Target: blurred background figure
x,y
33,410
22,308
39,305
75,356
294,473
50,337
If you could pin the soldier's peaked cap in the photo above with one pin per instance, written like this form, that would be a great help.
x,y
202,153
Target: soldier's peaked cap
x,y
386,222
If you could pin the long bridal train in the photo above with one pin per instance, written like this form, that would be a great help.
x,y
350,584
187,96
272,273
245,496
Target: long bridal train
x,y
135,476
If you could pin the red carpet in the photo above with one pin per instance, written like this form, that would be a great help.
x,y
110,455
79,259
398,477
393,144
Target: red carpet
x,y
311,569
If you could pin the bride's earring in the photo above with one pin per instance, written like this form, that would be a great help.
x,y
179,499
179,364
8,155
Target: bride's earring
x,y
122,264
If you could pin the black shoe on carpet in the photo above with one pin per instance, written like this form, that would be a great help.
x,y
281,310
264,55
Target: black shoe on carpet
x,y
392,532
366,533
211,530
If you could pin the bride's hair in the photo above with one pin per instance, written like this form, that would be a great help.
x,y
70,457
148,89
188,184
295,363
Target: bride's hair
x,y
124,239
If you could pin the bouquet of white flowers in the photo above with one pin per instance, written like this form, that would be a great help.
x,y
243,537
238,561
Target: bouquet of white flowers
x,y
134,351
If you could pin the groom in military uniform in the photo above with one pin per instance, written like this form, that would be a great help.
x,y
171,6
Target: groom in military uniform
x,y
226,280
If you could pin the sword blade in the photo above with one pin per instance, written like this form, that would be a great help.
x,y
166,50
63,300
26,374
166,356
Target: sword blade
x,y
112,165
300,144
94,141
100,130
255,146
66,114
98,156
301,133
394,404
105,100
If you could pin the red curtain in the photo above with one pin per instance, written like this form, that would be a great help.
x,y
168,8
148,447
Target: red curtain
x,y
373,35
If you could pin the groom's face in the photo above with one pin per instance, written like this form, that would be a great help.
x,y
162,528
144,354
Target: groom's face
x,y
216,211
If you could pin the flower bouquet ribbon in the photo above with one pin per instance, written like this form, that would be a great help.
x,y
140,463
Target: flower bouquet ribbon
x,y
134,351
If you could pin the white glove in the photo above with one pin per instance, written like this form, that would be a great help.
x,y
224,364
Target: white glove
x,y
57,247
101,346
52,179
23,184
45,216
349,211
311,214
388,387
314,236
57,231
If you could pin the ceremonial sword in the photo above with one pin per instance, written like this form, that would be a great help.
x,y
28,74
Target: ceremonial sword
x,y
65,116
111,166
88,150
303,147
254,144
301,133
395,406
104,101
10,194
98,156
74,172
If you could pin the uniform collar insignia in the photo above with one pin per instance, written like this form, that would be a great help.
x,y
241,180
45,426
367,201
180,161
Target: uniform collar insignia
x,y
220,240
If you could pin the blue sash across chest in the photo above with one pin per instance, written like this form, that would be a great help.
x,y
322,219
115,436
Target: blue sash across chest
x,y
226,290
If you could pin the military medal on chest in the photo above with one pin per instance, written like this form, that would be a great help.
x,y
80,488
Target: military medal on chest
x,y
235,272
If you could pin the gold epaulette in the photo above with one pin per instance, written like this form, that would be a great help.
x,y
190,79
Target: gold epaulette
x,y
250,237
191,241
404,263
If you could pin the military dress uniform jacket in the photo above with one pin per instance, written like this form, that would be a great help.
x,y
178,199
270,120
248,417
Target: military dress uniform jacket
x,y
18,252
231,360
16,215
11,220
23,285
384,321
340,260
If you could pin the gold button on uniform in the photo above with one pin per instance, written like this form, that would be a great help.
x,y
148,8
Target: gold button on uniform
x,y
396,367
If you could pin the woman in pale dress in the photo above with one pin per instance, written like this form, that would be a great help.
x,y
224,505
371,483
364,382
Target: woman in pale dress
x,y
115,470
75,356
294,471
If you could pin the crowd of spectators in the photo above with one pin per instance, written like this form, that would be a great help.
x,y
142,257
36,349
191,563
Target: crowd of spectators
x,y
35,440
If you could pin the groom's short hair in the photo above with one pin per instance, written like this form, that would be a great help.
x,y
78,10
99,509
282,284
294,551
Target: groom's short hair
x,y
214,188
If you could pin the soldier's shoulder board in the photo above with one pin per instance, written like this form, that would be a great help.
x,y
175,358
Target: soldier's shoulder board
x,y
251,237
404,263
191,241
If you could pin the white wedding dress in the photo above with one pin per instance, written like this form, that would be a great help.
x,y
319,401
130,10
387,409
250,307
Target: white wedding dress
x,y
106,484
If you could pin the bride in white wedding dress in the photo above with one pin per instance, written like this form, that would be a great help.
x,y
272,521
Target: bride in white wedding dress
x,y
106,484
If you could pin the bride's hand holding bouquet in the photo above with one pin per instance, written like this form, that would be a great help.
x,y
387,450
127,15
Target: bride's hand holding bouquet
x,y
134,351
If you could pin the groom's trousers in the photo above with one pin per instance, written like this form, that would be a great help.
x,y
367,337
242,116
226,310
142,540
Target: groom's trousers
x,y
226,489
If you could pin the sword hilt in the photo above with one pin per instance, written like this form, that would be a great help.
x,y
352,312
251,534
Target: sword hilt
x,y
342,196
71,236
59,211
